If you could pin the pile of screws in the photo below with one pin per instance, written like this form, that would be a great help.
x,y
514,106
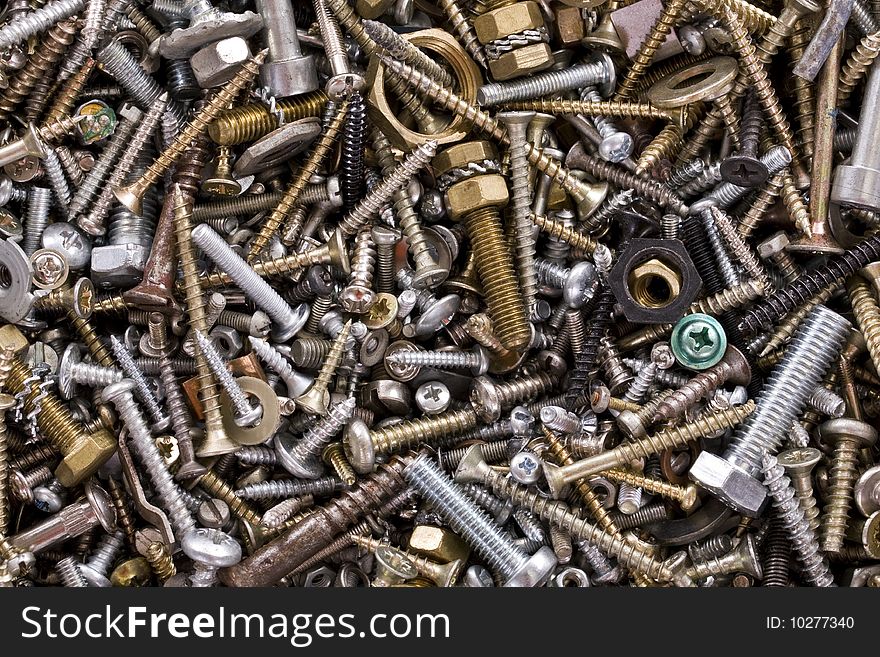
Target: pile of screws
x,y
458,293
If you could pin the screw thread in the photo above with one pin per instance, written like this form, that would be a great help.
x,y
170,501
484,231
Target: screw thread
x,y
320,434
319,487
334,456
558,230
160,561
103,556
145,392
842,477
163,483
240,401
814,347
665,489
94,376
699,386
70,573
791,516
216,487
860,60
740,251
37,218
867,314
21,28
401,49
621,178
410,433
444,360
541,84
464,30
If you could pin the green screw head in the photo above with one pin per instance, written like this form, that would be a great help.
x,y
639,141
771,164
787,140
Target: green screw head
x,y
698,341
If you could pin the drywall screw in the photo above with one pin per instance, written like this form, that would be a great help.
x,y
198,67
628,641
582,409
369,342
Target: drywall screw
x,y
798,464
791,517
302,458
463,31
21,28
362,444
317,397
145,393
811,352
547,83
744,168
652,42
216,439
629,554
517,123
131,196
358,296
847,436
288,321
316,158
512,563
283,554
859,61
706,425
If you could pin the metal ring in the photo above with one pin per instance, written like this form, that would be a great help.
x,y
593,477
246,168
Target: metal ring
x,y
270,421
702,81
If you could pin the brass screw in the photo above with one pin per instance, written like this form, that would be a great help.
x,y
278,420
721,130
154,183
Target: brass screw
x,y
655,38
464,31
443,575
216,439
607,108
132,195
706,425
319,153
558,230
334,456
315,399
251,122
216,487
860,60
686,496
160,561
867,313
65,99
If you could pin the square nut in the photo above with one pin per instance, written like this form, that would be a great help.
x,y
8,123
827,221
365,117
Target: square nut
x,y
13,339
508,20
521,61
438,544
569,28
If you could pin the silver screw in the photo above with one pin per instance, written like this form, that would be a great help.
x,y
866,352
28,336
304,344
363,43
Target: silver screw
x,y
742,559
342,80
70,573
477,360
39,204
98,564
145,393
545,84
20,29
245,414
512,562
288,321
297,383
303,458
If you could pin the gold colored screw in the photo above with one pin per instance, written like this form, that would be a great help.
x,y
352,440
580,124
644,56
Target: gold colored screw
x,y
216,439
792,321
479,327
161,562
668,142
804,105
334,456
443,575
65,99
317,397
319,153
867,313
610,108
132,195
686,496
558,477
859,61
83,453
758,209
656,38
216,487
89,336
558,229
6,402
251,122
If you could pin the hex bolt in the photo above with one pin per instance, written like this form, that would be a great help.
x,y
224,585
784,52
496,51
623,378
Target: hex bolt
x,y
288,321
286,71
847,436
798,464
731,476
791,517
512,563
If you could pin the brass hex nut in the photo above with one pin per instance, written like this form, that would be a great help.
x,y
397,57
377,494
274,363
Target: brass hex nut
x,y
89,452
438,544
521,61
462,154
475,194
570,26
13,339
372,9
512,19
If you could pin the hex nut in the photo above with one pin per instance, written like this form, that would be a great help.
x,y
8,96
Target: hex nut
x,y
438,544
674,257
118,265
217,63
89,452
512,19
462,154
522,61
570,26
475,194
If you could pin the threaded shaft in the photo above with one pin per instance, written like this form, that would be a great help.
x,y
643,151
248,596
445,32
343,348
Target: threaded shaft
x,y
22,27
410,433
320,487
842,476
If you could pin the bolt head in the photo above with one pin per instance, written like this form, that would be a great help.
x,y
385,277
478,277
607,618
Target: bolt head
x,y
485,399
536,570
358,446
616,147
698,342
102,505
848,429
774,244
293,323
525,468
729,483
342,85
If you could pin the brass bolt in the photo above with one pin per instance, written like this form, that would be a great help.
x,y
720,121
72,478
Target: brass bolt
x,y
251,122
319,153
443,575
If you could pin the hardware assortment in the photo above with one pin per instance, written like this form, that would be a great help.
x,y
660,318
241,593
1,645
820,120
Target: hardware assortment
x,y
416,293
